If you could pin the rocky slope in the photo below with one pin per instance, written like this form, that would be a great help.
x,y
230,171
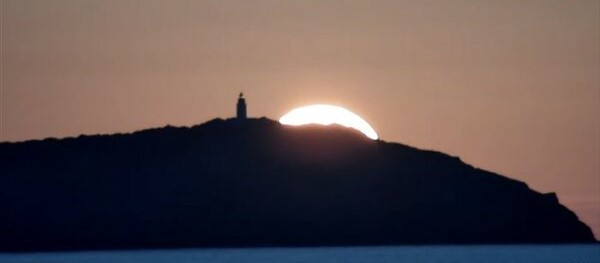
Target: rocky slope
x,y
258,183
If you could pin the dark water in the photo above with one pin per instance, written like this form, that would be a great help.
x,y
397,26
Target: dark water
x,y
503,254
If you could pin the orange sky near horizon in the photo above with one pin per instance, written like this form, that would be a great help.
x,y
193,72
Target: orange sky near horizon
x,y
508,86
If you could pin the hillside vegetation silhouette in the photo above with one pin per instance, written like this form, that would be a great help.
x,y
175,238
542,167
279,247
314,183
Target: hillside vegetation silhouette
x,y
258,183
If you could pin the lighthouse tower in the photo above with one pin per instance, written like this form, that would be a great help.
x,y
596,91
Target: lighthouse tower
x,y
241,107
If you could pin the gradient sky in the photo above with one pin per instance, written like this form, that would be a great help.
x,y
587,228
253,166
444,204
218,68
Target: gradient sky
x,y
508,86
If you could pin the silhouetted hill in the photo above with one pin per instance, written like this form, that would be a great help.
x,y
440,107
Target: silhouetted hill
x,y
258,183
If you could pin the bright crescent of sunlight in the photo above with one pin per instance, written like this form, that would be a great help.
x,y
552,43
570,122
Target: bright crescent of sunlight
x,y
328,114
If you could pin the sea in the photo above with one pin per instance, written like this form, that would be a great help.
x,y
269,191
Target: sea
x,y
472,253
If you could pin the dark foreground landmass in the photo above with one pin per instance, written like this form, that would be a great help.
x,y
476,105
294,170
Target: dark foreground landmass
x,y
258,183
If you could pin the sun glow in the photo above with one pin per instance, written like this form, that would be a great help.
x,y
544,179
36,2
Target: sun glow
x,y
328,114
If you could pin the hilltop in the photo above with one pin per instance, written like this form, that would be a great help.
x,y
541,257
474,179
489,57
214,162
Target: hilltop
x,y
257,183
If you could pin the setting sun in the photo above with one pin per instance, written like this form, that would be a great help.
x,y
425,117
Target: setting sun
x,y
328,114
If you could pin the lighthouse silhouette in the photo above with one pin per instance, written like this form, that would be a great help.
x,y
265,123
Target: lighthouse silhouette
x,y
241,107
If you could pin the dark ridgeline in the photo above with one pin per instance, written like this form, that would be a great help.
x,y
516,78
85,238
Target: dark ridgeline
x,y
258,183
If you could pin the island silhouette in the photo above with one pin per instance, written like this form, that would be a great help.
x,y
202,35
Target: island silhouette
x,y
233,183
